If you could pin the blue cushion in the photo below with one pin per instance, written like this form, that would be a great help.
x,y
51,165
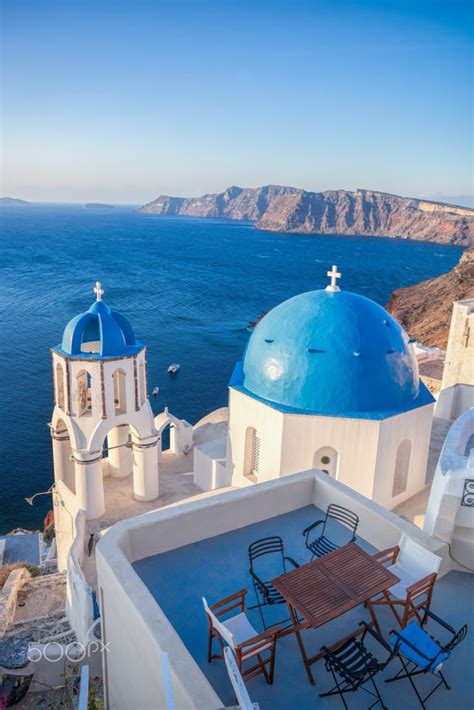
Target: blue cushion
x,y
416,636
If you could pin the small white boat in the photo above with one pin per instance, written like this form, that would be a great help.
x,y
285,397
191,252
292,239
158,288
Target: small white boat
x,y
173,368
155,391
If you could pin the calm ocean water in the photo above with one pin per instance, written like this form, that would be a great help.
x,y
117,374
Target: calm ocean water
x,y
189,288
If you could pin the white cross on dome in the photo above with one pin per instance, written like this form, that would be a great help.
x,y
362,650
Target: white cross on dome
x,y
334,274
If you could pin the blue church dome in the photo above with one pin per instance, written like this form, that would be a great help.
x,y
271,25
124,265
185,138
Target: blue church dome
x,y
99,332
331,352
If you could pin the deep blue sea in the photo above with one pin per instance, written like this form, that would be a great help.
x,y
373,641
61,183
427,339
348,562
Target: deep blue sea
x,y
189,288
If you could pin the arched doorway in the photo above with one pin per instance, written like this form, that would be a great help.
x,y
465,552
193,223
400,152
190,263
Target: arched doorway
x,y
175,434
83,393
117,450
120,389
62,450
327,460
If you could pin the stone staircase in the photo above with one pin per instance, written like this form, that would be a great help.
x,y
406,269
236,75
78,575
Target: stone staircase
x,y
39,613
49,628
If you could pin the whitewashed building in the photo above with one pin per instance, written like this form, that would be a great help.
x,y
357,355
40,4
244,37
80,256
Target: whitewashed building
x,y
457,387
100,392
328,380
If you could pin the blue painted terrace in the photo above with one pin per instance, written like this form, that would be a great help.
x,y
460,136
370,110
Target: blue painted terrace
x,y
218,566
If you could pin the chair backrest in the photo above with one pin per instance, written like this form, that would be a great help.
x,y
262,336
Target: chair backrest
x,y
240,690
272,549
352,662
222,630
457,638
416,559
343,516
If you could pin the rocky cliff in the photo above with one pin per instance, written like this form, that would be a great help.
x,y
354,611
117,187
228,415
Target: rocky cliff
x,y
363,212
425,308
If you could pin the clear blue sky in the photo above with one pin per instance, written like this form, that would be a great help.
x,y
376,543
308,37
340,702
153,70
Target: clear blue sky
x,y
122,101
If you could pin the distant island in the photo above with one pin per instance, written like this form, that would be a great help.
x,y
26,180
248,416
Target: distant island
x,y
97,206
13,202
360,212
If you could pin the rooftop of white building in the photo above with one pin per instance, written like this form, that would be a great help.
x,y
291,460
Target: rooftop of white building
x,y
154,569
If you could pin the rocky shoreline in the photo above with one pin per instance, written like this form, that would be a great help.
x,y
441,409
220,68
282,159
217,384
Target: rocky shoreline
x,y
424,309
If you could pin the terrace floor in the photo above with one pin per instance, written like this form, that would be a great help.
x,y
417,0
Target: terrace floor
x,y
218,566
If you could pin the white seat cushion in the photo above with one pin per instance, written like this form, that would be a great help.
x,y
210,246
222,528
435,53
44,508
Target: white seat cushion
x,y
242,630
399,589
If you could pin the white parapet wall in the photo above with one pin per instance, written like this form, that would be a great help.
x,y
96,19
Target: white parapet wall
x,y
457,387
135,628
210,465
79,600
450,512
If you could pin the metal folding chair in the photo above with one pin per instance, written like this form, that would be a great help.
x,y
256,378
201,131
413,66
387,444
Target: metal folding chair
x,y
267,559
352,666
322,544
420,653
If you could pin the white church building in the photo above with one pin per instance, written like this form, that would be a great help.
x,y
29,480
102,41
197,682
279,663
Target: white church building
x,y
100,392
328,380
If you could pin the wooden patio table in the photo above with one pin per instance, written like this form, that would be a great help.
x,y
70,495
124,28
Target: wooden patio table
x,y
328,587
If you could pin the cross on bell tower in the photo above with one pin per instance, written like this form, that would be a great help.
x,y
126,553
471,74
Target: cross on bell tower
x,y
98,290
333,275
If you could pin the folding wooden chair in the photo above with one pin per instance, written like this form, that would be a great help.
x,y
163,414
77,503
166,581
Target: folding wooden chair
x,y
417,569
239,634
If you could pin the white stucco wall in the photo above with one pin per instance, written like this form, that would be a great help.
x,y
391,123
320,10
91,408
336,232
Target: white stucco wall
x,y
79,605
446,518
457,386
245,412
415,427
210,464
366,449
354,440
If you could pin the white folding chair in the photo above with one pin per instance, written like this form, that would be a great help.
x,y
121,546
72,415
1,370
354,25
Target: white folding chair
x,y
239,634
417,569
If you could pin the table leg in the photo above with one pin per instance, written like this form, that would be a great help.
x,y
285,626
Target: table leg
x,y
306,662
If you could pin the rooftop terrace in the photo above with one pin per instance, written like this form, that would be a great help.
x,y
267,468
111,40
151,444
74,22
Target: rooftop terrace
x,y
218,566
154,569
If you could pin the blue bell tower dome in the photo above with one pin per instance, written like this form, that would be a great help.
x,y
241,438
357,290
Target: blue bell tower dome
x,y
333,353
99,333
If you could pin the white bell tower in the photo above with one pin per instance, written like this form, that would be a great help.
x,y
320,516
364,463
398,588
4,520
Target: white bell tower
x,y
102,422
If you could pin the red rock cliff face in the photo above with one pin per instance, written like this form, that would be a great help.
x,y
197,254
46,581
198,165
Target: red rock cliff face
x,y
367,213
363,212
424,309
